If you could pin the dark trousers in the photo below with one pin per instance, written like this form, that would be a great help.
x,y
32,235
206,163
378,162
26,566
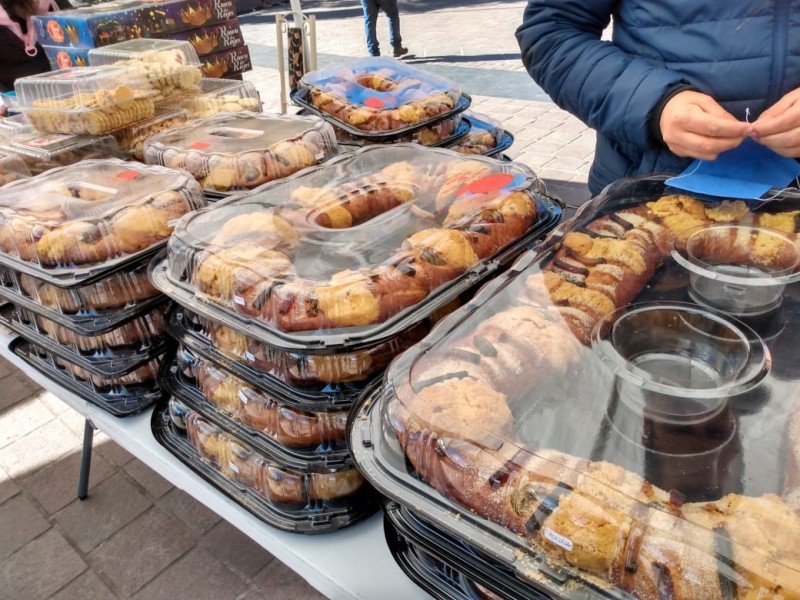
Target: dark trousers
x,y
371,9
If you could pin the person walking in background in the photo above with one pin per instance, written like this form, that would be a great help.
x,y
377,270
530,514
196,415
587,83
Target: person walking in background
x,y
680,79
371,9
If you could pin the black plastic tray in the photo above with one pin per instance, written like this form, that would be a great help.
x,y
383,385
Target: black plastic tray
x,y
182,388
506,140
549,210
300,98
296,519
457,554
332,397
83,323
134,400
439,579
112,362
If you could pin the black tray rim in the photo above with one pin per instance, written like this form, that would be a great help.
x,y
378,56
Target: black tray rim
x,y
22,348
309,524
300,459
99,366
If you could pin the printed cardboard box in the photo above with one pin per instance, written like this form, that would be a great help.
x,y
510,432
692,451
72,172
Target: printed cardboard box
x,y
64,58
227,63
215,38
122,20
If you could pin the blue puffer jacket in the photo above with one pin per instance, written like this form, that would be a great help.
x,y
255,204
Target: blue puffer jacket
x,y
743,53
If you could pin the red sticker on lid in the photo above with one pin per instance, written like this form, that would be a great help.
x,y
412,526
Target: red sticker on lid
x,y
200,145
490,183
127,175
373,102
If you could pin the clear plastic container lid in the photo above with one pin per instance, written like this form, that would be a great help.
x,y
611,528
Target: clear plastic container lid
x,y
284,497
304,439
93,100
171,66
486,136
131,139
309,380
221,96
379,96
587,413
42,152
239,151
10,127
88,310
107,355
148,50
339,256
12,168
73,223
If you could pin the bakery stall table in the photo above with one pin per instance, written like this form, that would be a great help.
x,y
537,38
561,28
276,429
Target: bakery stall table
x,y
352,563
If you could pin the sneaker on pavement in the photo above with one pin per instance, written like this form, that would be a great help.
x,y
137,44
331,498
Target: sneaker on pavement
x,y
399,51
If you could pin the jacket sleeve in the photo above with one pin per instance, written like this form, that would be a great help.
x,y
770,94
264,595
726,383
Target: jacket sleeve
x,y
608,89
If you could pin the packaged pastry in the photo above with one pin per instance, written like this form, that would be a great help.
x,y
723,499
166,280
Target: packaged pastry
x,y
221,96
12,168
86,100
108,355
240,151
310,500
268,419
598,422
122,395
171,66
439,134
42,152
63,224
337,257
380,97
340,375
486,136
131,139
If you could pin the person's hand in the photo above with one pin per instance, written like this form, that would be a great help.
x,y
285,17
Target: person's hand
x,y
778,127
3,111
693,125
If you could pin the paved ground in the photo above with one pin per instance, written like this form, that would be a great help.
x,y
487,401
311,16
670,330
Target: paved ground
x,y
139,537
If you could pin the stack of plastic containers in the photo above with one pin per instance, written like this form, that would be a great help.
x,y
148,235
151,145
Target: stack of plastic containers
x,y
616,416
242,150
294,297
102,111
382,100
75,243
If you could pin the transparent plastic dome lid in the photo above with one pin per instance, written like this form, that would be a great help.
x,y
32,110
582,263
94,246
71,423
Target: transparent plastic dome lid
x,y
237,133
83,89
175,52
379,96
63,224
345,251
486,136
59,149
596,424
12,168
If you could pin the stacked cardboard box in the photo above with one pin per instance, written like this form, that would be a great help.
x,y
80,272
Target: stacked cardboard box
x,y
210,25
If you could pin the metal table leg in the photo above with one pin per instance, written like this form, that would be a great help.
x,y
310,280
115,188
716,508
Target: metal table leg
x,y
86,460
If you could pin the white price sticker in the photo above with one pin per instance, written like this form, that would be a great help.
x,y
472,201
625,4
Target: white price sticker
x,y
558,539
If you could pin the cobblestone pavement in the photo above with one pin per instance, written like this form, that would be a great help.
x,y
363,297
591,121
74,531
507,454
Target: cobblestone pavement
x,y
137,536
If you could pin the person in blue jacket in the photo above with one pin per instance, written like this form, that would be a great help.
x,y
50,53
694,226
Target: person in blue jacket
x,y
679,79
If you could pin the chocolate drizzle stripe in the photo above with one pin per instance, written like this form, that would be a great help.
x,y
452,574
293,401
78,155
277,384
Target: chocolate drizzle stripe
x,y
665,589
